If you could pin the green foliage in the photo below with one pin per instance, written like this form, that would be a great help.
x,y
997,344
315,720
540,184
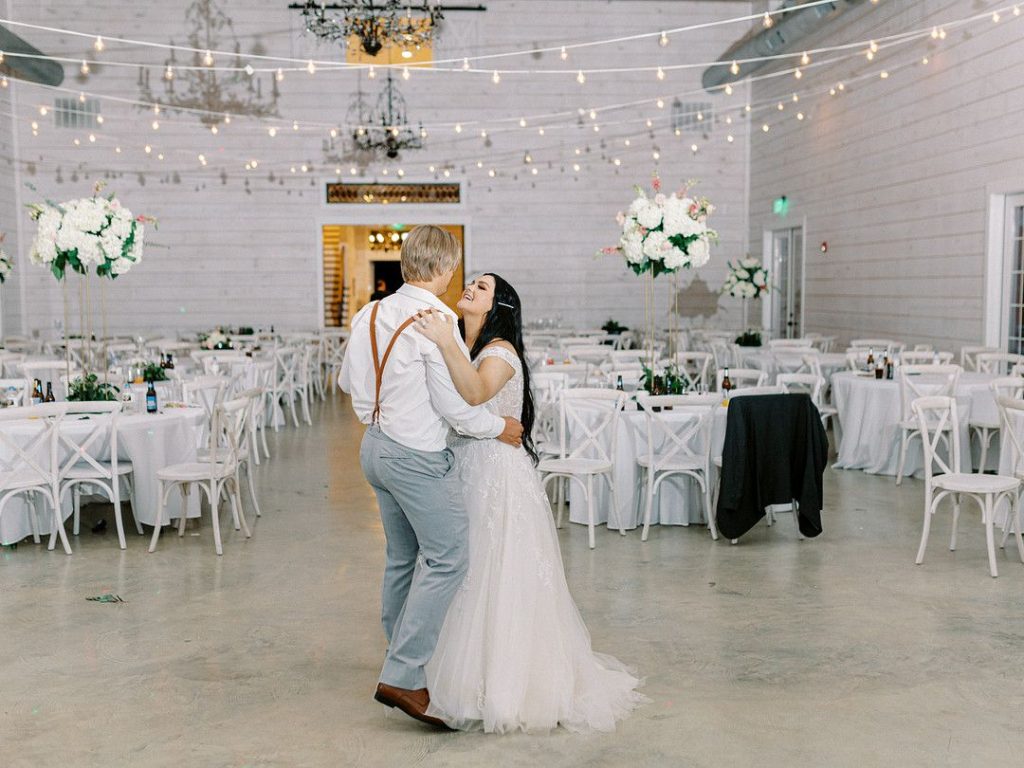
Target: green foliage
x,y
153,372
90,389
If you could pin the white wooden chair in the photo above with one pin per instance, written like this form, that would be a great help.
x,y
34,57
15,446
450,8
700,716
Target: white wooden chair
x,y
968,356
879,345
80,467
632,377
1011,418
694,368
741,378
335,341
217,474
30,466
588,425
857,359
985,429
595,355
937,418
998,363
577,373
916,381
678,443
46,370
206,392
619,358
799,344
248,452
547,391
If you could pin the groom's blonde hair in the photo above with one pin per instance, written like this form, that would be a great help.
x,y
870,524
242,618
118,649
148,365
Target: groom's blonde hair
x,y
429,252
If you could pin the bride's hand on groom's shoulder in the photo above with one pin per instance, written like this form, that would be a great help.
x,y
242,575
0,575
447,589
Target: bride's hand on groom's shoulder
x,y
436,326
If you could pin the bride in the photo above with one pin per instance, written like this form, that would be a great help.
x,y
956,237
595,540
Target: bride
x,y
514,653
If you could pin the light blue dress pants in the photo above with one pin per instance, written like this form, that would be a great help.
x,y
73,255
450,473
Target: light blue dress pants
x,y
426,528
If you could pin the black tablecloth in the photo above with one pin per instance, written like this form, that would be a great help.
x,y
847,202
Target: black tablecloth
x,y
775,452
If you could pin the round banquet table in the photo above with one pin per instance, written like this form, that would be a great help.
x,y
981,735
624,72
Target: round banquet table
x,y
869,414
150,441
678,500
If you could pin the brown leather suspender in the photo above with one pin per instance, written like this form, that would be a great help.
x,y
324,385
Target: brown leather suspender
x,y
379,363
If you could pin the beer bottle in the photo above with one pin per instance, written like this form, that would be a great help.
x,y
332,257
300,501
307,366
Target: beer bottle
x,y
151,404
37,392
49,393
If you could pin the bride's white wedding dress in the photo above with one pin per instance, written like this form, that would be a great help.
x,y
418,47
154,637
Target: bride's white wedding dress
x,y
514,653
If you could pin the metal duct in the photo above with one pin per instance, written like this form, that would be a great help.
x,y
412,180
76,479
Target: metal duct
x,y
784,35
42,71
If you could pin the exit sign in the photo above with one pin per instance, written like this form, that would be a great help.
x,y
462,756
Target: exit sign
x,y
780,206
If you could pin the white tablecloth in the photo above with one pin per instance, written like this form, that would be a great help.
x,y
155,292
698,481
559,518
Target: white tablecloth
x,y
150,442
869,413
678,500
764,360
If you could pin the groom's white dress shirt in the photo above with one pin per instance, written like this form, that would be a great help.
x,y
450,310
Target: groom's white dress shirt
x,y
418,398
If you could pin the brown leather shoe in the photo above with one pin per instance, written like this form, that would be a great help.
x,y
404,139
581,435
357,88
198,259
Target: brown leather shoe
x,y
413,703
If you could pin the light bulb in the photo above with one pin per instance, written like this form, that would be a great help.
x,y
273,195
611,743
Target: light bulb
x,y
295,125
43,111
663,40
593,114
208,59
660,103
730,138
781,106
227,119
540,131
458,127
272,132
465,65
99,119
735,68
799,115
98,44
693,148
656,155
495,78
617,162
405,73
728,89
522,122
169,73
279,76
564,54
534,170
213,129
884,75
767,20
84,69
765,128
580,77
311,67
995,17
249,70
117,150
805,59
491,173
483,134
796,98
661,73
576,167
797,74
924,60
371,73
334,133
870,55
148,149
156,125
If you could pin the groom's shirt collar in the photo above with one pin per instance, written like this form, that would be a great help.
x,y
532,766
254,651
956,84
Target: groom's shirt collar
x,y
422,294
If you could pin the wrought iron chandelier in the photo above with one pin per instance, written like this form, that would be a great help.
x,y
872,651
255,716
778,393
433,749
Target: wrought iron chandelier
x,y
199,88
386,130
376,23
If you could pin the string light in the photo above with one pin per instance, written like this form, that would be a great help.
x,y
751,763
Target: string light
x,y
272,131
156,125
564,54
661,73
279,76
580,77
311,67
295,125
99,119
765,128
995,17
593,114
799,115
728,89
98,44
663,40
797,74
43,111
884,75
495,78
540,131
208,59
84,69
767,20
249,70
405,73
169,73
693,148
925,61
458,127
334,133
227,119
796,98
805,59
148,149
491,173
522,122
3,81
576,167
213,130
730,138
735,68
465,65
660,103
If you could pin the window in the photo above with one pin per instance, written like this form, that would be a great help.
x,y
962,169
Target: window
x,y
75,113
1015,273
692,116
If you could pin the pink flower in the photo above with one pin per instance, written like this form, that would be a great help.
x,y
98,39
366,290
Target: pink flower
x,y
620,217
656,184
682,192
644,231
659,199
610,250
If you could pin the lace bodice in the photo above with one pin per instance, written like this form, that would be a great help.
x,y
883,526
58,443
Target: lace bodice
x,y
509,400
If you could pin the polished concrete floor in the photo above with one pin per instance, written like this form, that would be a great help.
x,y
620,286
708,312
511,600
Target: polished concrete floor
x,y
779,652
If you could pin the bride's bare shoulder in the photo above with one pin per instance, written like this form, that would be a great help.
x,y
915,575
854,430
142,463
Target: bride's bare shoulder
x,y
502,344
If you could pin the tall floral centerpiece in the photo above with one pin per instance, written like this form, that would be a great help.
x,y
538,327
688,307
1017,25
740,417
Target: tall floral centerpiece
x,y
89,236
747,280
662,234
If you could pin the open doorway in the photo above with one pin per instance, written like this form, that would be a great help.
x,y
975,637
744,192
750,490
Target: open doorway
x,y
357,256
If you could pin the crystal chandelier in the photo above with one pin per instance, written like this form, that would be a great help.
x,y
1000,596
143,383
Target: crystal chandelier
x,y
376,23
386,130
200,88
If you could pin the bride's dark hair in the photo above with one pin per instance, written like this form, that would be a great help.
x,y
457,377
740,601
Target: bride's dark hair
x,y
505,321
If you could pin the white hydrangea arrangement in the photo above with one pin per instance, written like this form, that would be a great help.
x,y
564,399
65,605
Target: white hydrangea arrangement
x,y
90,232
665,233
747,279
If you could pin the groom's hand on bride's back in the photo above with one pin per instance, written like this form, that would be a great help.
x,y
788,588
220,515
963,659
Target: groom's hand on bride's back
x,y
513,434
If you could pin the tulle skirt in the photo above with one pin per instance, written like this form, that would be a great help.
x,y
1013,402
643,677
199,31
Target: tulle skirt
x,y
514,653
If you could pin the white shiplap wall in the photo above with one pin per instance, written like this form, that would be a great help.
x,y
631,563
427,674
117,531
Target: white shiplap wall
x,y
10,302
227,254
893,174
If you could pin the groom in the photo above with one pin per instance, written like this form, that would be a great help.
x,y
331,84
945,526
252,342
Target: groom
x,y
401,387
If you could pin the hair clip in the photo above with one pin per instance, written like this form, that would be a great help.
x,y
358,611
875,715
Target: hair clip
x,y
503,304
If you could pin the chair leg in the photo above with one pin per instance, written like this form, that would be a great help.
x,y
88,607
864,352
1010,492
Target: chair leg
x,y
615,503
252,490
984,438
184,509
254,448
115,485
291,406
135,506
648,503
925,528
227,488
58,523
989,536
33,515
956,522
590,511
559,499
214,505
1015,511
263,439
76,501
236,496
709,510
904,439
305,412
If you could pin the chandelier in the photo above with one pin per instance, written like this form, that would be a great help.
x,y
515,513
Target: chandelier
x,y
386,130
386,241
200,88
376,23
